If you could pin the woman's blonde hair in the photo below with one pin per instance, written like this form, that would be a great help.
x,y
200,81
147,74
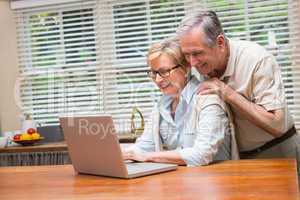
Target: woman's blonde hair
x,y
169,46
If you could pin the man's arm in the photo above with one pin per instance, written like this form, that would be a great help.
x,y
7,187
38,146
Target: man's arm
x,y
270,121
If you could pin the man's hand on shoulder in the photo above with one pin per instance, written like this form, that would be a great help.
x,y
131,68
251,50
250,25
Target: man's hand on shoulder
x,y
215,86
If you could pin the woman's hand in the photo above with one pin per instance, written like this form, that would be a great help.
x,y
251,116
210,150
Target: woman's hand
x,y
131,155
158,157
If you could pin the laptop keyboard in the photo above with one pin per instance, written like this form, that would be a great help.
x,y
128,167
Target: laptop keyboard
x,y
142,167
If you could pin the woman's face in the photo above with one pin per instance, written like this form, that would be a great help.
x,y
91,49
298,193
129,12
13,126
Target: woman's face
x,y
174,83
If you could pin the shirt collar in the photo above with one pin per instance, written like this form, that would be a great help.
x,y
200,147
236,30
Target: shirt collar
x,y
164,108
190,89
230,65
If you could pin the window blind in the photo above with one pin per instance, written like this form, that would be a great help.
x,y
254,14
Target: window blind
x,y
89,56
133,26
58,61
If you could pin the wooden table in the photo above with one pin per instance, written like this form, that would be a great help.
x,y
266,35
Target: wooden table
x,y
244,179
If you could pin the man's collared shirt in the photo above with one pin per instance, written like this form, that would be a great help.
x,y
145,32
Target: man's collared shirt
x,y
255,74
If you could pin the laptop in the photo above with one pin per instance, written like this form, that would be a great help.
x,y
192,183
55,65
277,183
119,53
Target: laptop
x,y
94,149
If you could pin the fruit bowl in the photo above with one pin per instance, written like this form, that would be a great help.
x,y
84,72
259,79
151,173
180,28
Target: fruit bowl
x,y
28,142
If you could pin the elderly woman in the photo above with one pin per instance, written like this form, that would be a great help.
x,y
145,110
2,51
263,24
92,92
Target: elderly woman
x,y
186,129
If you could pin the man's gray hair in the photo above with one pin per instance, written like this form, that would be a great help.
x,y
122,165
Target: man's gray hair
x,y
207,20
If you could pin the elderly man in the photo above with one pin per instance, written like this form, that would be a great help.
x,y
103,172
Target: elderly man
x,y
247,77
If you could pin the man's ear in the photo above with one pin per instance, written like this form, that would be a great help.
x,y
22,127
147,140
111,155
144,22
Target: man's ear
x,y
221,42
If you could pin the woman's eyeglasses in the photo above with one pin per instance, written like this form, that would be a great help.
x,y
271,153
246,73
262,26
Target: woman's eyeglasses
x,y
164,74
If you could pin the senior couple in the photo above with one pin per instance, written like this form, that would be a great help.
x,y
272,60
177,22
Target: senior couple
x,y
235,109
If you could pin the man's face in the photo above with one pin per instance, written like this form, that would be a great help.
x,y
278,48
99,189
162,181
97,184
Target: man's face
x,y
209,61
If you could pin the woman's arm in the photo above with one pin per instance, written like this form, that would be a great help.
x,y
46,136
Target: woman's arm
x,y
159,157
212,129
147,141
212,125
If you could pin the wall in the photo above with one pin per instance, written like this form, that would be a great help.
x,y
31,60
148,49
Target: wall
x,y
9,111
